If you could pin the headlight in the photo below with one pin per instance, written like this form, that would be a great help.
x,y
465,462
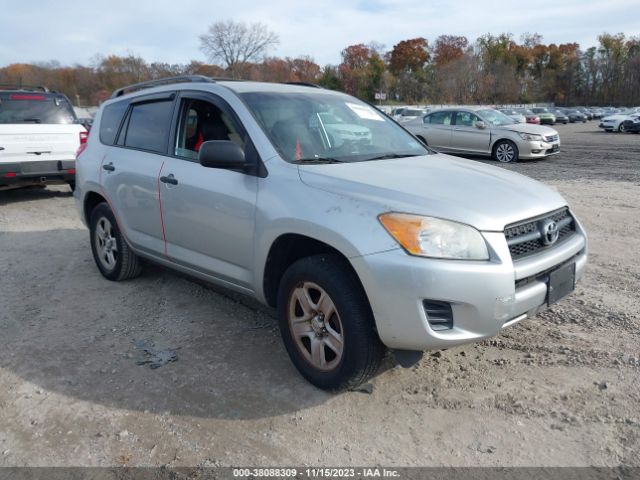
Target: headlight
x,y
434,237
530,137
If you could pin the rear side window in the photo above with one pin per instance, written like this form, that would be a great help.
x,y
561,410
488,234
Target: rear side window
x,y
35,108
149,125
110,121
439,118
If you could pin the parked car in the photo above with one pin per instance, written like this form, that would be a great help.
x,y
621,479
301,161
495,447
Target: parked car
x,y
529,115
616,122
513,115
359,247
586,112
597,112
39,136
631,126
545,115
409,114
484,131
575,115
561,117
340,131
396,112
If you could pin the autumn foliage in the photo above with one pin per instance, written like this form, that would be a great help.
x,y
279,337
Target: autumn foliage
x,y
451,69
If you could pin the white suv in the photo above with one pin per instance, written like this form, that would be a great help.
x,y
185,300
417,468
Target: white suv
x,y
39,137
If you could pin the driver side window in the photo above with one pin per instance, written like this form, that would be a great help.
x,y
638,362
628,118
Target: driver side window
x,y
201,121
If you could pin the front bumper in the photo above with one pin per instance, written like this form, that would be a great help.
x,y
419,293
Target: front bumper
x,y
538,149
484,296
17,174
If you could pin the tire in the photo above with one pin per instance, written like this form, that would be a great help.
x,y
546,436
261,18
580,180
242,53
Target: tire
x,y
347,348
621,128
72,186
113,256
505,151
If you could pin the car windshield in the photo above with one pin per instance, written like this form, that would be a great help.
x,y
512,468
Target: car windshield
x,y
494,117
35,108
327,126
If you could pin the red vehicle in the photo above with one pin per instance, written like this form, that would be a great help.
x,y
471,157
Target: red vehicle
x,y
529,115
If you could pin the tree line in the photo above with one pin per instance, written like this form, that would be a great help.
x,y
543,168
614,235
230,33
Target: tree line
x,y
493,69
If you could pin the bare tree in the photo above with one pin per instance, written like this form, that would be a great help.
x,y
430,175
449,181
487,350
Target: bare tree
x,y
236,43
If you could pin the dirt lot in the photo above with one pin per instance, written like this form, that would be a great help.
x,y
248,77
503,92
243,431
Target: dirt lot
x,y
560,389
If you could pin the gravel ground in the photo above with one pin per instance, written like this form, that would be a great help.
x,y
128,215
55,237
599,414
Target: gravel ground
x,y
559,389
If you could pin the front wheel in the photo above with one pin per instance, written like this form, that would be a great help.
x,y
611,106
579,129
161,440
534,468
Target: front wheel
x,y
113,256
505,151
622,128
326,323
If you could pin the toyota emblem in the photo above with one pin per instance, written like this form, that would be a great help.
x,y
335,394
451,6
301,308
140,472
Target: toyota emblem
x,y
549,232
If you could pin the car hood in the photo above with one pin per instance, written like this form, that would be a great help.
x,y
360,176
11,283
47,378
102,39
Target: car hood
x,y
439,185
617,117
529,128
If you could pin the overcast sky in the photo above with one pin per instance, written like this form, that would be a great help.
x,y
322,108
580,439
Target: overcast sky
x,y
73,31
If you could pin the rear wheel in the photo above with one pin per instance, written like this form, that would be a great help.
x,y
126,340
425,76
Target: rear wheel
x,y
505,151
72,186
114,258
622,128
326,323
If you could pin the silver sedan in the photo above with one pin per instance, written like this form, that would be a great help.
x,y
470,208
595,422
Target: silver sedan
x,y
484,131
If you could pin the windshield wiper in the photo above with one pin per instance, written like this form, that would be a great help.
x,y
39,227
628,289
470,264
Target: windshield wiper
x,y
317,160
34,120
391,155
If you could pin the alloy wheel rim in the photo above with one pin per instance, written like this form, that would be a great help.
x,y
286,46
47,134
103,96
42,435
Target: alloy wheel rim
x,y
106,244
505,152
315,326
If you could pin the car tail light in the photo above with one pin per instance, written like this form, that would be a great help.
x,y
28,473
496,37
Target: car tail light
x,y
71,171
84,136
10,175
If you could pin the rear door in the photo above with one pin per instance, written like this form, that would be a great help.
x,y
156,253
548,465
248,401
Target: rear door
x,y
209,212
466,136
129,171
438,129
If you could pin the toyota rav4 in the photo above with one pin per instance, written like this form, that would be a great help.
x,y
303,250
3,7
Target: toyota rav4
x,y
361,243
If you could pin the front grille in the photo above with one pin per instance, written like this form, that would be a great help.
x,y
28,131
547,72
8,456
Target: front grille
x,y
551,138
439,314
526,238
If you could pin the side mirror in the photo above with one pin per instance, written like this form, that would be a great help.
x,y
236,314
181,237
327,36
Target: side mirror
x,y
221,154
480,124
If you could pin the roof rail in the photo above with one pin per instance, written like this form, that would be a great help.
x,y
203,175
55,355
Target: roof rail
x,y
304,84
30,88
161,81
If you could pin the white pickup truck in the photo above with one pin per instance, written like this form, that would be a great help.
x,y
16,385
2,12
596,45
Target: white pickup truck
x,y
39,137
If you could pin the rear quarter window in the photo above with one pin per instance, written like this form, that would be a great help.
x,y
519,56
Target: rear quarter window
x,y
110,122
148,126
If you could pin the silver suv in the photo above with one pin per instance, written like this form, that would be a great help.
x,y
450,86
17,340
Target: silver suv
x,y
361,242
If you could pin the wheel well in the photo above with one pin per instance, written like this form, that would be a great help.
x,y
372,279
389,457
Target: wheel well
x,y
286,250
90,202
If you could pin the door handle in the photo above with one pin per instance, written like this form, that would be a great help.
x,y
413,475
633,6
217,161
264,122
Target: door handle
x,y
109,167
169,179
